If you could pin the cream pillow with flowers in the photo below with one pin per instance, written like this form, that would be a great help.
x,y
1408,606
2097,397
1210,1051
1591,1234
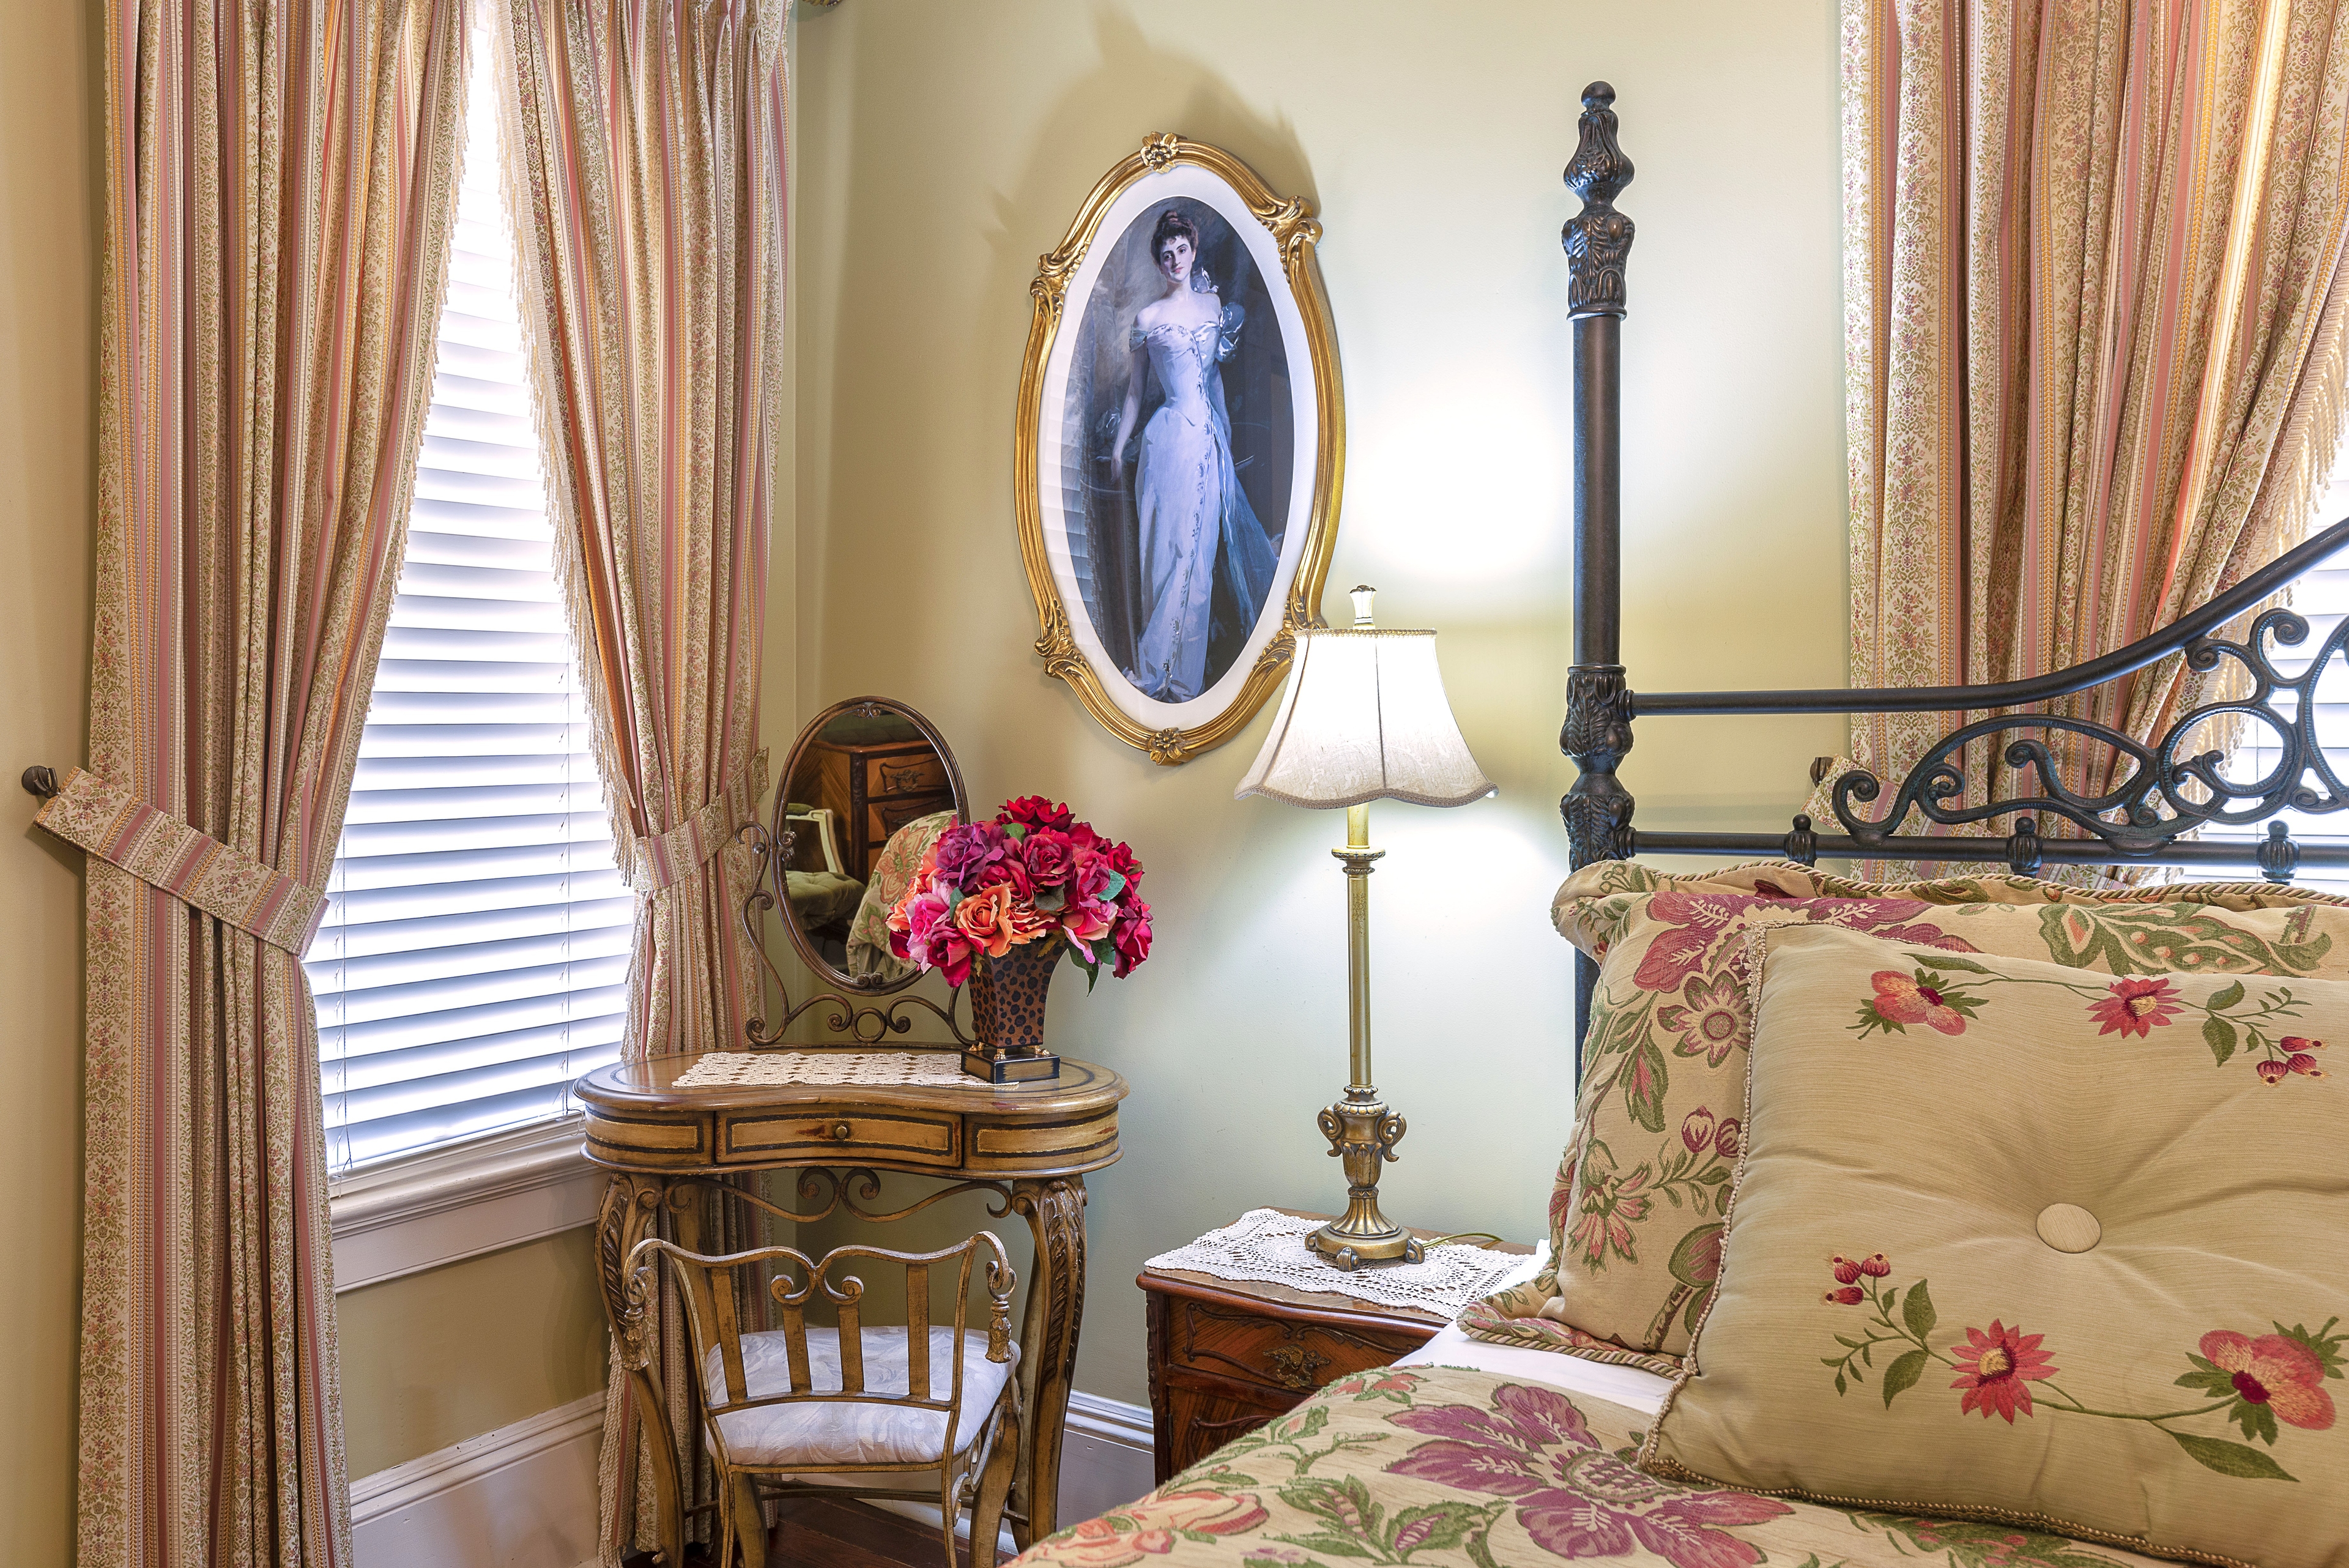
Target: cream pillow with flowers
x,y
1635,1221
2011,1241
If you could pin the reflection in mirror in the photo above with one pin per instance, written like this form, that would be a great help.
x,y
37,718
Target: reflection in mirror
x,y
869,788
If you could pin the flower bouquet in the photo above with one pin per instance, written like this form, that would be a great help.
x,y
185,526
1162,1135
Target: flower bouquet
x,y
996,903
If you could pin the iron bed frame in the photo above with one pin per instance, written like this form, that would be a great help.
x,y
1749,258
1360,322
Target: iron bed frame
x,y
2145,819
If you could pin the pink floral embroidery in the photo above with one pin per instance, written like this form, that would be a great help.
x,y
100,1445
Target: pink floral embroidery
x,y
1903,999
2135,1006
1705,1018
2273,1370
1573,1497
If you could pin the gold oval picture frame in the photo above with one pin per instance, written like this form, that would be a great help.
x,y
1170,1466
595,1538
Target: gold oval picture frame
x,y
1187,425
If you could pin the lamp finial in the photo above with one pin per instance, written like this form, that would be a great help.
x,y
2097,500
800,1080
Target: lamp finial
x,y
1360,594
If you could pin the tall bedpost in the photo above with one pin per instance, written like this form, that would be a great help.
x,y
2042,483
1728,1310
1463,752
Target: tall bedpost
x,y
1598,732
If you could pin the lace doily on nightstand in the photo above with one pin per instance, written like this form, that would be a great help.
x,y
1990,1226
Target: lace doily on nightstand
x,y
1267,1246
917,1069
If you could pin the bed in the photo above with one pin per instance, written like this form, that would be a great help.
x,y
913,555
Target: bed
x,y
1490,1447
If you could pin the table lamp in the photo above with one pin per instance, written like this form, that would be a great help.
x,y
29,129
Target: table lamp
x,y
1364,718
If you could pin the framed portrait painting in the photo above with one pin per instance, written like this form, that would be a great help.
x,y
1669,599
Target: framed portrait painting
x,y
1179,446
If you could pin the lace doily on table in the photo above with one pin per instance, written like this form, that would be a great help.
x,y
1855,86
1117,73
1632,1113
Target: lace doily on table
x,y
1267,1246
917,1069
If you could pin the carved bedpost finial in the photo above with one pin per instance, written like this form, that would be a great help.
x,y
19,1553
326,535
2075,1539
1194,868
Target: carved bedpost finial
x,y
1598,239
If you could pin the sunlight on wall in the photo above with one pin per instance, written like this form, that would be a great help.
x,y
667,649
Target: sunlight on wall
x,y
1429,140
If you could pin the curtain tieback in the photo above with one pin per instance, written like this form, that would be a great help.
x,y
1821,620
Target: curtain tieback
x,y
164,852
654,862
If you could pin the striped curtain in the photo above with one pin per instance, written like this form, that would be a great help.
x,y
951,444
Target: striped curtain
x,y
2095,306
280,182
646,150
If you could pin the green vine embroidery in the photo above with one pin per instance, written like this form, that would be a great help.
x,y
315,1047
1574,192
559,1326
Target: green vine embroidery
x,y
1944,992
2251,1381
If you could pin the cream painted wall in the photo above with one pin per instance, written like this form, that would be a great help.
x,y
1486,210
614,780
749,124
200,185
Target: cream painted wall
x,y
437,1357
943,146
49,228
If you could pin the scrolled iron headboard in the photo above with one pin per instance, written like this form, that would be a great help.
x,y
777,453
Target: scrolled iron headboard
x,y
2147,818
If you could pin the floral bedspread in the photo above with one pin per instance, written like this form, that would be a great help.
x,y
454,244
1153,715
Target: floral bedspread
x,y
1440,1467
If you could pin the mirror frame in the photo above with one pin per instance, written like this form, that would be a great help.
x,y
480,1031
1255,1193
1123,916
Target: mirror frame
x,y
772,844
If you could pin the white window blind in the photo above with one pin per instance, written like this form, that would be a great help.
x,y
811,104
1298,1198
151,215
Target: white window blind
x,y
474,960
2321,596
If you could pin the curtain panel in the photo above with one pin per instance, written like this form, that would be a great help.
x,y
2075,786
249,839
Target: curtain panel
x,y
645,157
2095,311
280,185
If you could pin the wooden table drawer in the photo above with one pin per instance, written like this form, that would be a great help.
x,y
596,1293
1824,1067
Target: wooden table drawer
x,y
883,817
922,773
843,1134
1275,1352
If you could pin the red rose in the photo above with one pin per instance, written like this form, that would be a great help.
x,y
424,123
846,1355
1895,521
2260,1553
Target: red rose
x,y
1051,857
1131,937
1033,811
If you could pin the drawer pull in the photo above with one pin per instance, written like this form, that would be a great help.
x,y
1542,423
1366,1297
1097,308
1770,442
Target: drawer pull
x,y
841,1132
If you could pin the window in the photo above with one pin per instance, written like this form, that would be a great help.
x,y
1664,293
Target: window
x,y
2322,595
474,960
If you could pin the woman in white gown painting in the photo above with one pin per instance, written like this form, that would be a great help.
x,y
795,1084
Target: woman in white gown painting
x,y
1186,492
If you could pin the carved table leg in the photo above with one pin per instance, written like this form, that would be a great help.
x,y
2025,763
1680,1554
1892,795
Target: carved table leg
x,y
631,1210
1055,1211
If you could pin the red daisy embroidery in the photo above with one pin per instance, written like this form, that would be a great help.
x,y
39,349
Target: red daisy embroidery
x,y
1993,1368
2135,1006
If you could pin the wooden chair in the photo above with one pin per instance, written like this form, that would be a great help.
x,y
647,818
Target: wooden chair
x,y
800,1401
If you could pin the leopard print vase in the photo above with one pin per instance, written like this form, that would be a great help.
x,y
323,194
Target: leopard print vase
x,y
1008,996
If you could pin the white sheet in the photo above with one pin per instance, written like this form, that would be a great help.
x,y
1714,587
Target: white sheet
x,y
1625,1386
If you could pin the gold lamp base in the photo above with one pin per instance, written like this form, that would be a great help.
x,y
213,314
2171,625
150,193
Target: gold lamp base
x,y
1363,1133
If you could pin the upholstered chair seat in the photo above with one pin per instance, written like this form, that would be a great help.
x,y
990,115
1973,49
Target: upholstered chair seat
x,y
856,1431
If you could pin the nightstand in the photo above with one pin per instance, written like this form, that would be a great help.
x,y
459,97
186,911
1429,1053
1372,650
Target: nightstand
x,y
1227,1355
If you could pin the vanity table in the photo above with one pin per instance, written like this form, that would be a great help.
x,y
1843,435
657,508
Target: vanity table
x,y
1027,1144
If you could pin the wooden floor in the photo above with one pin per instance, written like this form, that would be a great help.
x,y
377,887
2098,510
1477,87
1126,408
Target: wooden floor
x,y
819,1532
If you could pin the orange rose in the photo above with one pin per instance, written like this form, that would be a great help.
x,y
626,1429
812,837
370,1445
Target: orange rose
x,y
985,918
1025,922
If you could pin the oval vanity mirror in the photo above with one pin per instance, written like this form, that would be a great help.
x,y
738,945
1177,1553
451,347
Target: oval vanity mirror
x,y
869,787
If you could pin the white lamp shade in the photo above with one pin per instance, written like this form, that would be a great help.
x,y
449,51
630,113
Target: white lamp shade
x,y
1365,717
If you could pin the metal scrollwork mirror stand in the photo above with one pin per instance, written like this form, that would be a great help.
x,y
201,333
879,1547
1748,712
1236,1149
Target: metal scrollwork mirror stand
x,y
865,1009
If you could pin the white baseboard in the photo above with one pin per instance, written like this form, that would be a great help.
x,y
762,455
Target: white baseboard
x,y
1105,1461
521,1497
524,1496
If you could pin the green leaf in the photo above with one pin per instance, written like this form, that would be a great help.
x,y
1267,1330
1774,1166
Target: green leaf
x,y
1917,1311
1840,1384
1945,960
2219,1035
2231,1458
2226,998
1645,1081
1902,1374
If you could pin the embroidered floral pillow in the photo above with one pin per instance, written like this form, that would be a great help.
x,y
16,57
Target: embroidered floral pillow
x,y
2012,1241
1635,1222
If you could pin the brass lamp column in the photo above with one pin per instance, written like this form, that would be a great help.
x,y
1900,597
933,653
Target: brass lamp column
x,y
1364,718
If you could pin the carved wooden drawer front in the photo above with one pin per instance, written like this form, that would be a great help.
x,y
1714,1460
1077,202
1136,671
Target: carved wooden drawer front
x,y
845,1133
1296,1358
922,773
1219,1369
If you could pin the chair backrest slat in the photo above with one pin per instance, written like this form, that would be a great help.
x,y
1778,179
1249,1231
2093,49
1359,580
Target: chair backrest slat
x,y
917,1329
852,1348
795,1345
720,1294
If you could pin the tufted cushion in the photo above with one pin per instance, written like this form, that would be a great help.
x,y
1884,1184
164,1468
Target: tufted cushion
x,y
1634,1213
852,1431
2018,1242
